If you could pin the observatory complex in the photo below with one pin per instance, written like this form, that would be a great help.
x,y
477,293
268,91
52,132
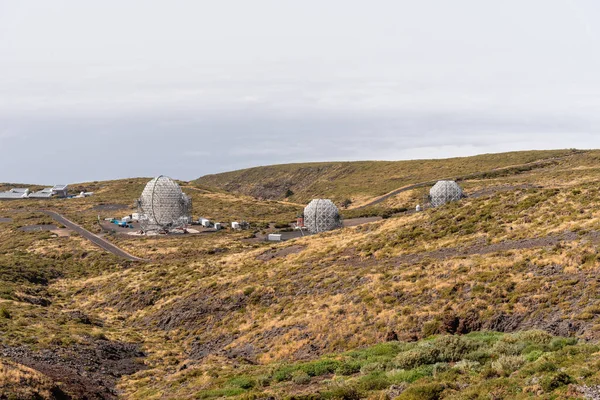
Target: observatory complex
x,y
444,192
321,215
163,206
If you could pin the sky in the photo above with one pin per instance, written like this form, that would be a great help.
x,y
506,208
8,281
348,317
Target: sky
x,y
96,90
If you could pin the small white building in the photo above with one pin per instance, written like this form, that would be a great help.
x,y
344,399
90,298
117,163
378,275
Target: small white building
x,y
16,193
235,225
205,223
60,190
218,226
126,219
419,208
135,216
274,237
42,194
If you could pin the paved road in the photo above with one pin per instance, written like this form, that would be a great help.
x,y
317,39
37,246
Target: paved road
x,y
98,241
459,178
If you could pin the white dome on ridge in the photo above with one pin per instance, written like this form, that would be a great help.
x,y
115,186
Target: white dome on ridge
x,y
444,192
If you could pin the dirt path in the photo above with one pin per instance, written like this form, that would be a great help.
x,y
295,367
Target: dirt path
x,y
98,241
458,178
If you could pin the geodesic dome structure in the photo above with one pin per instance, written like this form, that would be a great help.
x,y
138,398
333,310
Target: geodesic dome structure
x,y
163,206
321,215
444,192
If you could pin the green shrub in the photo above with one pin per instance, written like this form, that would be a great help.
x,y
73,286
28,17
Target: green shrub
x,y
348,368
467,365
320,367
506,365
343,392
418,356
300,378
374,381
558,343
429,391
242,382
536,336
533,355
481,356
507,348
412,375
283,373
550,383
544,366
453,348
372,367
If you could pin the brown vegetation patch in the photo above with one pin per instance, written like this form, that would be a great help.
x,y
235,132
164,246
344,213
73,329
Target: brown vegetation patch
x,y
280,252
20,382
110,207
84,371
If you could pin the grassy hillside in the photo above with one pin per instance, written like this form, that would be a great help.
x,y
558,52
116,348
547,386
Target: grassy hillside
x,y
495,296
359,181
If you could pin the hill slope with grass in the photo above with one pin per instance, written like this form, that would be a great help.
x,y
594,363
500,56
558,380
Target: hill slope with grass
x,y
493,296
362,180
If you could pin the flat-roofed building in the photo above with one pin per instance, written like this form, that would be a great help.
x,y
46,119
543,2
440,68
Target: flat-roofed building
x,y
14,194
42,194
60,190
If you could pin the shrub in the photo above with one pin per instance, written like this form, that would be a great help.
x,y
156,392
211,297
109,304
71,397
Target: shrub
x,y
374,381
4,313
467,365
372,367
536,336
409,376
429,391
544,366
430,328
300,378
242,382
558,343
481,356
453,348
533,355
504,347
343,392
439,368
321,367
550,383
283,373
348,368
508,364
416,357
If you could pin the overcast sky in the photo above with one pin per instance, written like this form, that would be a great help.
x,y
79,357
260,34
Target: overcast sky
x,y
93,90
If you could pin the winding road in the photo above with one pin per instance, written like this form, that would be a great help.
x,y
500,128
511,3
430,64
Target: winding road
x,y
536,163
97,240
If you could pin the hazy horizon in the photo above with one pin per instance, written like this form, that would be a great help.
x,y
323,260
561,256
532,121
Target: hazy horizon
x,y
99,91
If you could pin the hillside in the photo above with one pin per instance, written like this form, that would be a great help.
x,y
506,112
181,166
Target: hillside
x,y
362,180
495,296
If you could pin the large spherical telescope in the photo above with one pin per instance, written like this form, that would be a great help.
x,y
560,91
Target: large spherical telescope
x,y
444,192
163,206
321,215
